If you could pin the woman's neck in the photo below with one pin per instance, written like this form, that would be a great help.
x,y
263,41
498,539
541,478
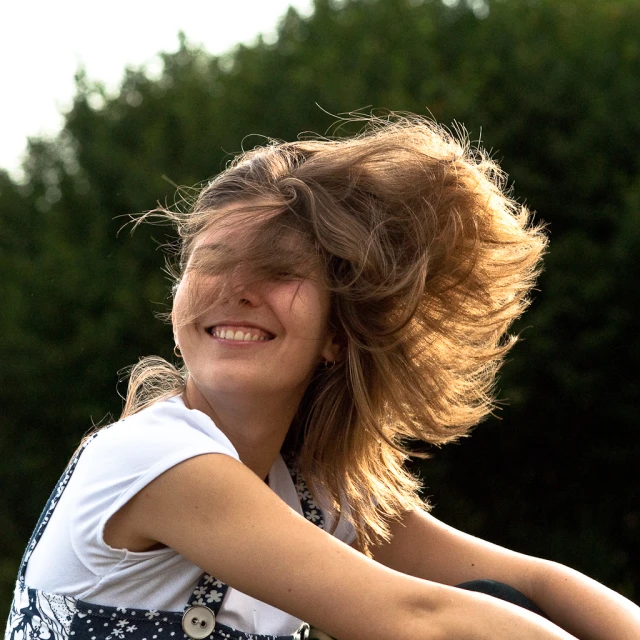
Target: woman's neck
x,y
256,426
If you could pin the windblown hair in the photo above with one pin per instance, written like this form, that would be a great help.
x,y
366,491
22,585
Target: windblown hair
x,y
428,261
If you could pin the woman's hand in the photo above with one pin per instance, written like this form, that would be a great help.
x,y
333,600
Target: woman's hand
x,y
222,517
587,608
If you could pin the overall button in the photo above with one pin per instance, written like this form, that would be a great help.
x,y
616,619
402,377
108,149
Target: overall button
x,y
198,622
302,633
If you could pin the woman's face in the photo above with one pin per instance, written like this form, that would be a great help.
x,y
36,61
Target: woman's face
x,y
260,338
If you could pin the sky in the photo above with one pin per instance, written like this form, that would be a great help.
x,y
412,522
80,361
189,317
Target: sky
x,y
43,43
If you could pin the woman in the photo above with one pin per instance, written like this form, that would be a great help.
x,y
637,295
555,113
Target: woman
x,y
333,299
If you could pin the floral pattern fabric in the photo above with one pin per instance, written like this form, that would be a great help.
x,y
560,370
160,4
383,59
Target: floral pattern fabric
x,y
36,615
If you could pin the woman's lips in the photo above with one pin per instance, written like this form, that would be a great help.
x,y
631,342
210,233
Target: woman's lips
x,y
239,333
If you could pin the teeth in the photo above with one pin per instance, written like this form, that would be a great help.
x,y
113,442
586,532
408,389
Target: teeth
x,y
238,334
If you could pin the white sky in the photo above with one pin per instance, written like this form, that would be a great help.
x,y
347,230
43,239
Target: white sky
x,y
42,43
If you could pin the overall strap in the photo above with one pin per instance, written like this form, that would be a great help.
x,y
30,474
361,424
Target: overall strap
x,y
210,591
310,509
49,508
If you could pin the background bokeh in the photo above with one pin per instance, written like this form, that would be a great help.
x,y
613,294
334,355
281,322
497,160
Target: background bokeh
x,y
549,86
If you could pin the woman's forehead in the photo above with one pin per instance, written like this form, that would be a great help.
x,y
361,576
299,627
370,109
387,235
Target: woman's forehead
x,y
240,237
257,239
239,226
217,237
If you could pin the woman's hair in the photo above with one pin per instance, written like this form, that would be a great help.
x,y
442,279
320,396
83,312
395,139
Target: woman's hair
x,y
427,260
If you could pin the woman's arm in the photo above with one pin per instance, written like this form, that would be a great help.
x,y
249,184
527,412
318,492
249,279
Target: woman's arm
x,y
424,547
222,517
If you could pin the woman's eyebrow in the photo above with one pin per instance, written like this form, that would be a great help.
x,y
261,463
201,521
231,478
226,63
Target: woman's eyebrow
x,y
203,252
211,246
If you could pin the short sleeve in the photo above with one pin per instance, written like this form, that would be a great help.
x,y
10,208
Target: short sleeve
x,y
124,458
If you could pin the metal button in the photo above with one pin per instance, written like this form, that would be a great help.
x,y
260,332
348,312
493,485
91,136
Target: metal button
x,y
302,633
198,622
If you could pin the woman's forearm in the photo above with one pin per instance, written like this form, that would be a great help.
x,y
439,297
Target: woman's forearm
x,y
586,608
456,614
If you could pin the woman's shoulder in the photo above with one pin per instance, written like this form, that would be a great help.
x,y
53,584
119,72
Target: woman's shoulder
x,y
127,455
165,429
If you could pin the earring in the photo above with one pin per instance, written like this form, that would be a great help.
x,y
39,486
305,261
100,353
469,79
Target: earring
x,y
329,364
176,351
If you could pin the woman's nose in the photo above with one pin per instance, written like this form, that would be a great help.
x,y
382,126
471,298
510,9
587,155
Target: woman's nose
x,y
243,294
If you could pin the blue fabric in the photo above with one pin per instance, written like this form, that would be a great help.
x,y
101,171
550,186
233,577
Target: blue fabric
x,y
504,592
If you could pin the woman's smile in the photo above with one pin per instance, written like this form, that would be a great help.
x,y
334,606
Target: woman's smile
x,y
232,332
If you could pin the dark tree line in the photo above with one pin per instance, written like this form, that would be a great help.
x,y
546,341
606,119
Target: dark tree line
x,y
550,86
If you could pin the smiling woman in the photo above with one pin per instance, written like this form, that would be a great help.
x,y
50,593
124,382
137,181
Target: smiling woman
x,y
259,341
334,298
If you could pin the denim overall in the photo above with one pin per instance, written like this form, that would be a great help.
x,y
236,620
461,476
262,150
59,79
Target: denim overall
x,y
45,616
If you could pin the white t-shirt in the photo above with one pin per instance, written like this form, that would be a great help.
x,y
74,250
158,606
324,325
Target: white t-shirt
x,y
72,557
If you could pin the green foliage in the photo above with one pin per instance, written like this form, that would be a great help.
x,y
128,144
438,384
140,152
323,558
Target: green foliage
x,y
550,85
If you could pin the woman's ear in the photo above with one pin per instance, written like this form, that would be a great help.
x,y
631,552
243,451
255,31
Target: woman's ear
x,y
175,330
334,349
